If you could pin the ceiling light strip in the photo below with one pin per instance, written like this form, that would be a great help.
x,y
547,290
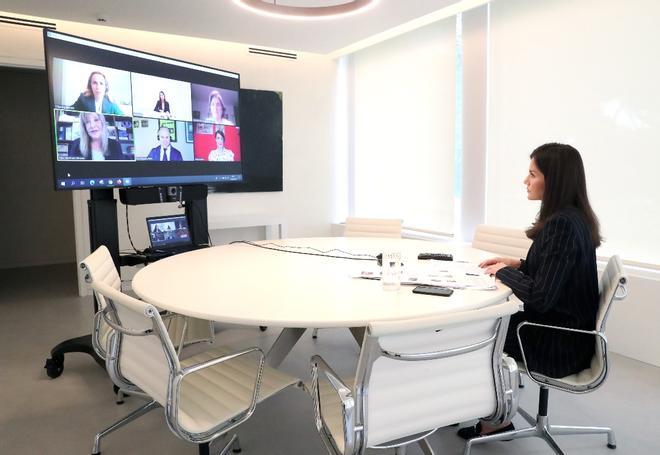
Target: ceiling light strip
x,y
443,13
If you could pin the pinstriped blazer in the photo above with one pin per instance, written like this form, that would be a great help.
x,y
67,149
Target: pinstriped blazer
x,y
558,283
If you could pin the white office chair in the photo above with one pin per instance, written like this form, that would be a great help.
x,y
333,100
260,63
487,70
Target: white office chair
x,y
372,227
204,396
613,286
416,376
501,240
99,266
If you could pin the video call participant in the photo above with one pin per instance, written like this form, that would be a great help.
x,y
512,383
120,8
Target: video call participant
x,y
95,97
558,281
162,105
217,110
94,143
165,151
220,153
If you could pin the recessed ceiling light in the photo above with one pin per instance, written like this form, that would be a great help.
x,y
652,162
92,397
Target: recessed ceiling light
x,y
339,9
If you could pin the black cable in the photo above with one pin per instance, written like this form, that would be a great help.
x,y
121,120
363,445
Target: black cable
x,y
352,256
128,230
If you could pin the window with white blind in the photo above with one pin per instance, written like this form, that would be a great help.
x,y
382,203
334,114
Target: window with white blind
x,y
584,72
403,105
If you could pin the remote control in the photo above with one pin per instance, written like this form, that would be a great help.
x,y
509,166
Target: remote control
x,y
436,256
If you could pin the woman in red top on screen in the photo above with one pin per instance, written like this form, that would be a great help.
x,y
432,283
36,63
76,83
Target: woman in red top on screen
x,y
217,110
557,281
94,143
95,97
220,153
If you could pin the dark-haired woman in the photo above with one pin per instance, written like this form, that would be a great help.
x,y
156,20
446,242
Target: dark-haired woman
x,y
162,105
558,281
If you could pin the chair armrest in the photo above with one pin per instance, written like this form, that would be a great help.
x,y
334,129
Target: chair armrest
x,y
177,382
557,382
343,392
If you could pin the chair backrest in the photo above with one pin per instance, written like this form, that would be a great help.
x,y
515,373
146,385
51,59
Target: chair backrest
x,y
372,227
141,353
501,240
99,267
612,286
417,375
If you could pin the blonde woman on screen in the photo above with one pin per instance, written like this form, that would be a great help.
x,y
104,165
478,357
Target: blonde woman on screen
x,y
220,153
95,96
94,143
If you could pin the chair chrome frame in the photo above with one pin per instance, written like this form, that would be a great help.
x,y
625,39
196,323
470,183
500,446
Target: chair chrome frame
x,y
541,428
354,404
176,379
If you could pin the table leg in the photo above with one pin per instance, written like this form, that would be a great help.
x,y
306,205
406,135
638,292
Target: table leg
x,y
285,342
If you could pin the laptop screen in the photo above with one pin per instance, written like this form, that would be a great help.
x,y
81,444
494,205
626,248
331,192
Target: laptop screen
x,y
168,231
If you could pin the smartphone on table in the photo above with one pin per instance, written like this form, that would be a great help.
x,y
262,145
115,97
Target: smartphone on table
x,y
433,290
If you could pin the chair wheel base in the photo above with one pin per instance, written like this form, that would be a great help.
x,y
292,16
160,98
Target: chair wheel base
x,y
96,453
611,446
237,450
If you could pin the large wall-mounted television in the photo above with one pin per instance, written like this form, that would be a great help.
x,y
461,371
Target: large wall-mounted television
x,y
124,118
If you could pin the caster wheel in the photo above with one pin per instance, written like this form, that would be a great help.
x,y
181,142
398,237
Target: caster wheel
x,y
54,366
611,446
262,328
237,450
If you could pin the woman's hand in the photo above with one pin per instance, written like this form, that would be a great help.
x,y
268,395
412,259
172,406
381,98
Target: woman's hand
x,y
507,262
493,268
492,265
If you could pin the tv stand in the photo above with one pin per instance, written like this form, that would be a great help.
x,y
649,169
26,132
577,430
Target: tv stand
x,y
103,230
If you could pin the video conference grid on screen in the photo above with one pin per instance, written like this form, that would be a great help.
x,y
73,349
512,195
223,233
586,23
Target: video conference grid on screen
x,y
126,118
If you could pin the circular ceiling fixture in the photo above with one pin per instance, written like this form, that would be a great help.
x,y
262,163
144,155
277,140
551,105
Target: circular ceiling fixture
x,y
331,10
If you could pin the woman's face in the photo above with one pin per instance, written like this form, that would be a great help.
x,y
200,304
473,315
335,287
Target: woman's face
x,y
98,86
162,96
535,182
216,107
93,126
219,141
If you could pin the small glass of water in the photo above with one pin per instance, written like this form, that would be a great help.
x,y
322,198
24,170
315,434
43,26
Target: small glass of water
x,y
391,271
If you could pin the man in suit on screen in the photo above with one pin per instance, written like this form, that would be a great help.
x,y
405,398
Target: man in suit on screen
x,y
165,151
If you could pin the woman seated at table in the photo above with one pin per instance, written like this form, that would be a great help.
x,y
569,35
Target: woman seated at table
x,y
94,143
558,281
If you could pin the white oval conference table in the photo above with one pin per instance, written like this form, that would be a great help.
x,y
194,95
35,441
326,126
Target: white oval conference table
x,y
245,284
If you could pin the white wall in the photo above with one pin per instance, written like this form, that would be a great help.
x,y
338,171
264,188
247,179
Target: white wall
x,y
307,84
